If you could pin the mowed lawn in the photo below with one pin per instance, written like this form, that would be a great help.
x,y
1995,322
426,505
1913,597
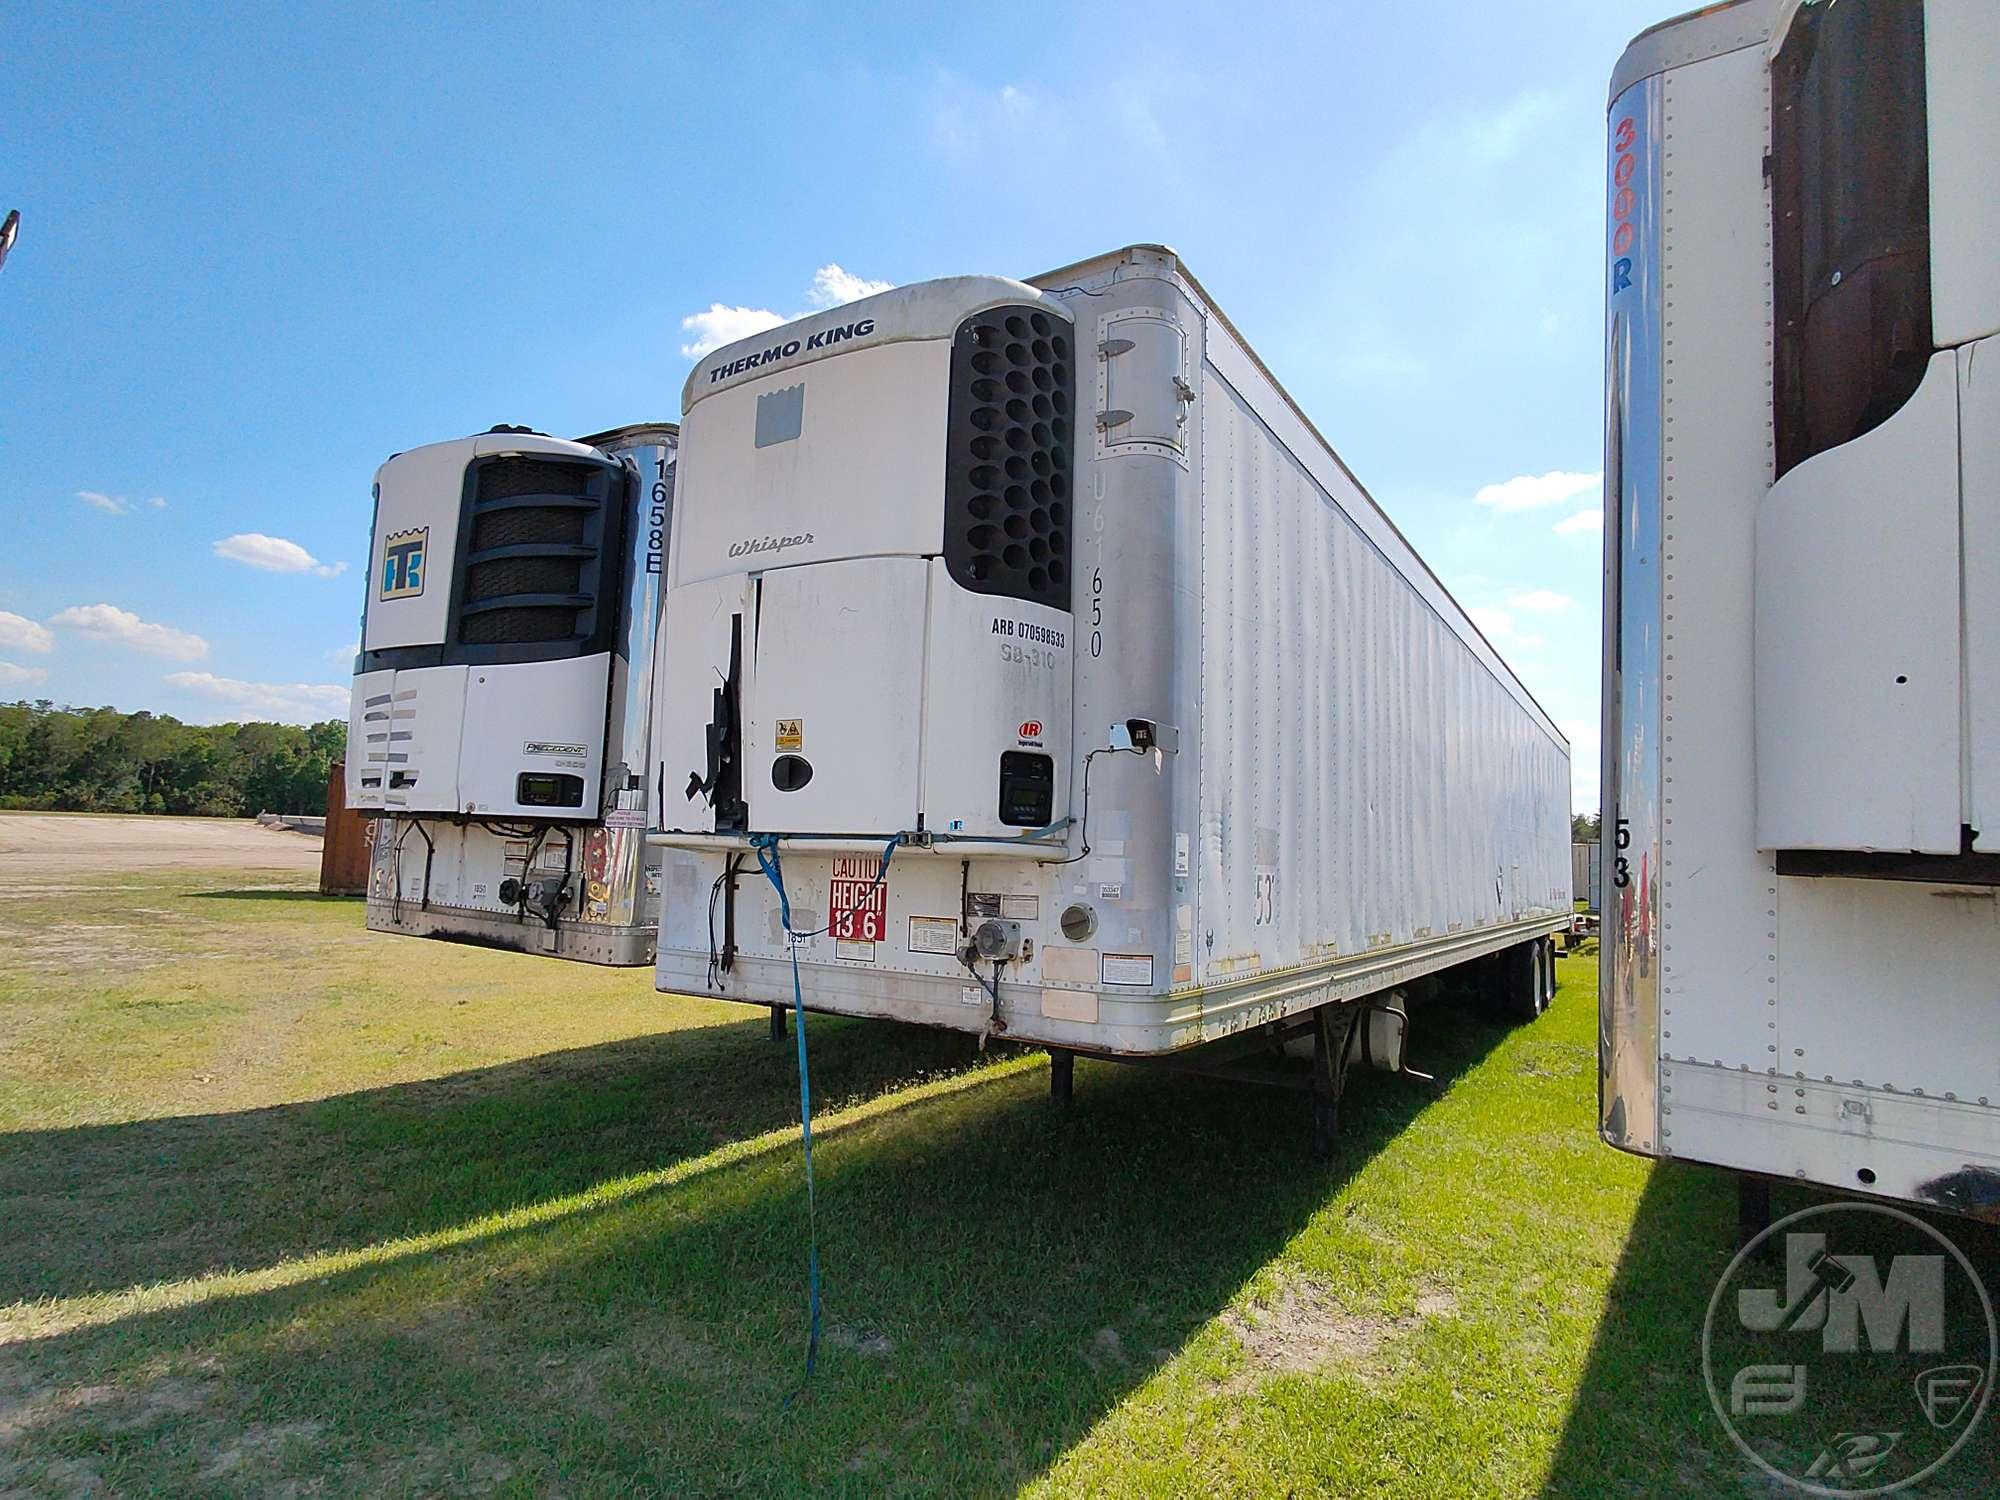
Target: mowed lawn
x,y
290,1208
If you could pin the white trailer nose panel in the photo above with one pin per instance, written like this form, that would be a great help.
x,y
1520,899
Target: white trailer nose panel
x,y
838,686
708,629
841,458
998,683
415,545
534,737
368,711
880,523
426,728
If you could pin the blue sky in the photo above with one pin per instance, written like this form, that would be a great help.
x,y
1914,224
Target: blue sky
x,y
261,252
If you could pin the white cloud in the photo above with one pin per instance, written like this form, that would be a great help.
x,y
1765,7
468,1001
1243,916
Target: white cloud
x,y
13,676
725,325
1498,626
1539,601
120,627
118,505
343,656
1492,138
1583,520
18,633
274,554
285,702
831,286
1532,491
967,116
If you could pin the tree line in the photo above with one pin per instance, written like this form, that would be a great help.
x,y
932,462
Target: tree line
x,y
100,760
62,759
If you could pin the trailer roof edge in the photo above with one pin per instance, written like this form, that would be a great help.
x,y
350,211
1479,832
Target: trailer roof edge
x,y
1694,37
1298,411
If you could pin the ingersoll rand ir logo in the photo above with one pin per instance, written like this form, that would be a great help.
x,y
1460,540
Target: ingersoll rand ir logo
x,y
1849,1350
403,563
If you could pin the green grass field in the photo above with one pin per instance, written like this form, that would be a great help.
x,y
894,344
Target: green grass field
x,y
290,1208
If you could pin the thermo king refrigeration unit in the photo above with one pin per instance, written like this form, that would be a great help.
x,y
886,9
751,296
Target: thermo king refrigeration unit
x,y
498,731
1050,593
1802,540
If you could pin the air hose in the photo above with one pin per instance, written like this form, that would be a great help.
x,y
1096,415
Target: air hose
x,y
766,845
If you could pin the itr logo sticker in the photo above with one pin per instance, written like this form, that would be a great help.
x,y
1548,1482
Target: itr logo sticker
x,y
403,563
1855,1356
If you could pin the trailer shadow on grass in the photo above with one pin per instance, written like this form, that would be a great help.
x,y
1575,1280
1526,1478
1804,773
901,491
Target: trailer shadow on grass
x,y
1000,1273
1642,1394
102,1207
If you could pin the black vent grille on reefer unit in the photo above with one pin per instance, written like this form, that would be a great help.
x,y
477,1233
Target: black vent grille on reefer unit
x,y
1008,458
541,552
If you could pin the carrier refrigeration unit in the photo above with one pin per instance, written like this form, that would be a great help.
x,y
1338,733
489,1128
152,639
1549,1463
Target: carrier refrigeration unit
x,y
498,731
1802,542
1079,693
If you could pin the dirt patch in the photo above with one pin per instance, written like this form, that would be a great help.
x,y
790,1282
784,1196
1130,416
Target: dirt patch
x,y
258,1444
44,847
1301,1328
1106,1350
860,1340
110,1407
88,946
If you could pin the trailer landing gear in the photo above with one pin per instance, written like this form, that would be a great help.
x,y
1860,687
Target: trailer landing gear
x,y
1062,1076
1334,1026
778,1032
1753,1208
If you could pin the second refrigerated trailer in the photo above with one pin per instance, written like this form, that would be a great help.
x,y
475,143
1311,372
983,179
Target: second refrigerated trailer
x,y
502,694
1076,690
1802,597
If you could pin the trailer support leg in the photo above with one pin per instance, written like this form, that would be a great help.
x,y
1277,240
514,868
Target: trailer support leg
x,y
1329,1075
778,1032
1753,1208
1062,1076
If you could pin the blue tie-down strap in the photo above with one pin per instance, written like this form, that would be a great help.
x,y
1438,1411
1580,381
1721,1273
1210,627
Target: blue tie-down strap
x,y
766,845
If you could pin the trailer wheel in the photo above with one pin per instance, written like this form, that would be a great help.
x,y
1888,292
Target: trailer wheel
x,y
1522,981
1548,971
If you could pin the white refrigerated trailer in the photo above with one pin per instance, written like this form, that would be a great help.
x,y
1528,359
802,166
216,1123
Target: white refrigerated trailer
x,y
1802,545
1080,692
502,698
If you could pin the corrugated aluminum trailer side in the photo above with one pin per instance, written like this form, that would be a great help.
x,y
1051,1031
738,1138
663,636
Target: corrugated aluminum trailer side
x,y
1376,787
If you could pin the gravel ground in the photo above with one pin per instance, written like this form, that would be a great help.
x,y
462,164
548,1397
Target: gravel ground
x,y
56,844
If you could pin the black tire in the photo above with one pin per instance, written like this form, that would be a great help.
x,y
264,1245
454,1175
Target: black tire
x,y
1524,985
